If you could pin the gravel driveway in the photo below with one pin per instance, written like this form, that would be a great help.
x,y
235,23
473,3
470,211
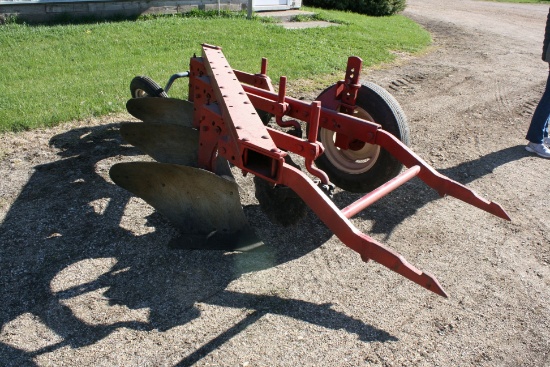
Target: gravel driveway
x,y
87,278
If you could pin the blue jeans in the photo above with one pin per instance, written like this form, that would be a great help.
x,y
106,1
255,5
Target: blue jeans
x,y
538,130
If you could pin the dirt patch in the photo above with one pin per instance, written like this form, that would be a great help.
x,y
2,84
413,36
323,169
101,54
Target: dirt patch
x,y
87,278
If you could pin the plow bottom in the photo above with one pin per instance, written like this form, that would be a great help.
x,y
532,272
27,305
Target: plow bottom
x,y
164,143
201,204
162,110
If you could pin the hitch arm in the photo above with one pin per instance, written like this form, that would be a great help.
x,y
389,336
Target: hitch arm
x,y
442,184
367,247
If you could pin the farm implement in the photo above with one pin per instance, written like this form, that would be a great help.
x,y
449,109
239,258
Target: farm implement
x,y
354,136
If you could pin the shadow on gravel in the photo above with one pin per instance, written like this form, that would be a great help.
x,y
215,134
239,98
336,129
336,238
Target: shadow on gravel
x,y
72,275
390,211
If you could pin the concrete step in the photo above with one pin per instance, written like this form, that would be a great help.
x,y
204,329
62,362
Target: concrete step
x,y
285,17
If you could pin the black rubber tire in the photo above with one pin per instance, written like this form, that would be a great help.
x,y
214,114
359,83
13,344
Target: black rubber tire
x,y
264,116
383,108
281,204
143,86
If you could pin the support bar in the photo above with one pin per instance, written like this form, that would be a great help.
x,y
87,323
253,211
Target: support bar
x,y
380,192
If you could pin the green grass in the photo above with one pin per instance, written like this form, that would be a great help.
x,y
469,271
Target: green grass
x,y
55,73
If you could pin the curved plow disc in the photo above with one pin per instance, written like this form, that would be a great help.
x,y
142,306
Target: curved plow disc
x,y
168,143
162,110
199,203
164,142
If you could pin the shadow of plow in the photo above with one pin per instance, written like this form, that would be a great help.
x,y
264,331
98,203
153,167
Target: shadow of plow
x,y
67,262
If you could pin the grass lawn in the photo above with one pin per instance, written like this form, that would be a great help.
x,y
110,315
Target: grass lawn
x,y
55,73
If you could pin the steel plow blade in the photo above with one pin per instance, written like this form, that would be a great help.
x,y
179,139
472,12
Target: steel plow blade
x,y
165,143
161,110
205,207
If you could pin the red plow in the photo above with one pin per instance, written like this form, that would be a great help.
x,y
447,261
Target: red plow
x,y
353,136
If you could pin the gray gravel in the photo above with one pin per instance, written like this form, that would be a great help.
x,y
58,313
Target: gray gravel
x,y
87,278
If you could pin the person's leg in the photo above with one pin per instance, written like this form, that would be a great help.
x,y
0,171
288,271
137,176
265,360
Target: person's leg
x,y
538,130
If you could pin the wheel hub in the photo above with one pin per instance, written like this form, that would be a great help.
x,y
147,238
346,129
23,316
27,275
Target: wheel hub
x,y
358,158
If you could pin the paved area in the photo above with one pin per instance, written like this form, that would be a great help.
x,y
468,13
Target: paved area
x,y
87,277
286,16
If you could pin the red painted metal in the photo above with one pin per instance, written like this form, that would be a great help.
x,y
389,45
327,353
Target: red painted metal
x,y
350,85
225,102
367,247
283,107
442,184
260,80
312,139
376,194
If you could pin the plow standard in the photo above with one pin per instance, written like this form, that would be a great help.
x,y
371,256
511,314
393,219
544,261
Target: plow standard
x,y
353,136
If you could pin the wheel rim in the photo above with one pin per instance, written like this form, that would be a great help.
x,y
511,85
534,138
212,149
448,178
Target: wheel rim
x,y
140,93
350,161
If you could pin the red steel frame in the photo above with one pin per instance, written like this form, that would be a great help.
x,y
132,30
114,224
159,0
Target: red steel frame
x,y
225,102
